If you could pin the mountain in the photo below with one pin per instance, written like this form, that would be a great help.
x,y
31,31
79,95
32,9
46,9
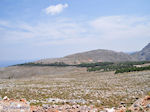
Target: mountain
x,y
99,55
144,54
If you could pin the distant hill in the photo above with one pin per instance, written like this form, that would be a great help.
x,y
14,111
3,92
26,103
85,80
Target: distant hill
x,y
99,55
144,54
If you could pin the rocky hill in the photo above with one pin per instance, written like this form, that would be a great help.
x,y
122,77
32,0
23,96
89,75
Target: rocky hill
x,y
144,54
99,55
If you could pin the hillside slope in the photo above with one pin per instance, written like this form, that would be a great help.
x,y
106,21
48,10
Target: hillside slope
x,y
99,55
144,54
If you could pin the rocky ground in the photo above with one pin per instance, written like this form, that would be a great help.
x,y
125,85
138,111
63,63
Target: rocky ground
x,y
75,89
11,105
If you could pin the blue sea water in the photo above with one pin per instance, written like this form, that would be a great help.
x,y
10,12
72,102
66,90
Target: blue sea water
x,y
13,62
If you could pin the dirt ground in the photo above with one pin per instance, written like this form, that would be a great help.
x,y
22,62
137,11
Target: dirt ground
x,y
71,85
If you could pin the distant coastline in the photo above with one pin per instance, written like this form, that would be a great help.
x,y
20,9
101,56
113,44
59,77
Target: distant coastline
x,y
7,63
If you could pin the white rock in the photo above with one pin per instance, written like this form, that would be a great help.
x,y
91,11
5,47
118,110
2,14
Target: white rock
x,y
5,98
110,110
18,106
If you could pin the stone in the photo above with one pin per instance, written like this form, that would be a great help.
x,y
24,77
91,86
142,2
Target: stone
x,y
5,98
136,98
135,105
110,110
23,100
122,103
148,106
99,102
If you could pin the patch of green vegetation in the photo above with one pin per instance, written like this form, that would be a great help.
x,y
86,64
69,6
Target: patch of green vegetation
x,y
58,64
118,67
36,104
94,64
148,93
128,111
131,69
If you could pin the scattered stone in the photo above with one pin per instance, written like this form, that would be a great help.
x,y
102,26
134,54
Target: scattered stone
x,y
11,105
141,105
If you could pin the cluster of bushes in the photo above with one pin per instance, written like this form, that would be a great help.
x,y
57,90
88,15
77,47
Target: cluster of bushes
x,y
118,67
64,64
131,69
59,64
94,64
135,62
111,67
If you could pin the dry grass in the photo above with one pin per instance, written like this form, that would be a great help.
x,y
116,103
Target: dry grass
x,y
78,86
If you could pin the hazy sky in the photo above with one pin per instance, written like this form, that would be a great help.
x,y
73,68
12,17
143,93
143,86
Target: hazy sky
x,y
34,29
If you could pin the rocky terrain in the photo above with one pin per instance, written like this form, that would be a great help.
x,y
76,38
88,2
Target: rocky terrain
x,y
144,54
14,72
73,88
12,105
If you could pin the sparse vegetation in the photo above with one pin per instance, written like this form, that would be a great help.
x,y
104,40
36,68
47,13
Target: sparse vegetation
x,y
58,64
128,111
95,64
76,85
119,67
131,69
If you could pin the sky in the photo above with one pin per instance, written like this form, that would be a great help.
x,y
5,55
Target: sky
x,y
37,29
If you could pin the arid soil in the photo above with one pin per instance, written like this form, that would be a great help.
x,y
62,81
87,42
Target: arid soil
x,y
71,87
